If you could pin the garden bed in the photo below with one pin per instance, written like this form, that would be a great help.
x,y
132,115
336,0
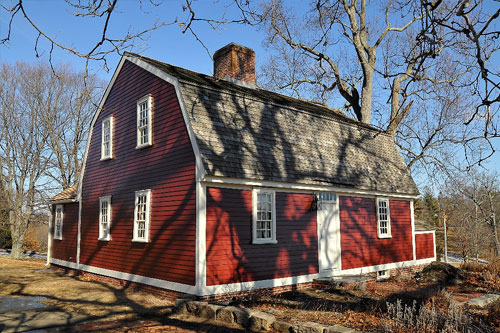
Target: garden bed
x,y
431,302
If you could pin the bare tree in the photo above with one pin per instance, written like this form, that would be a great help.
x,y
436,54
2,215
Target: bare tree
x,y
407,67
67,120
479,191
23,144
468,233
41,136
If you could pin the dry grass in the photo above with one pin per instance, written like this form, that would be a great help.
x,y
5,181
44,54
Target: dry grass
x,y
99,299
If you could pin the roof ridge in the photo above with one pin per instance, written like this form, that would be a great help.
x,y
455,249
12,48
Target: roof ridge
x,y
336,112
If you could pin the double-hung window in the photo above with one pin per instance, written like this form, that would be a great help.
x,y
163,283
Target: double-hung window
x,y
383,218
141,216
264,217
58,222
107,138
144,122
104,218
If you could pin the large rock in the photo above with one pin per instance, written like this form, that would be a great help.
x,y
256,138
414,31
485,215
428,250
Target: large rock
x,y
282,326
308,328
194,307
484,300
209,311
181,306
232,314
339,329
260,321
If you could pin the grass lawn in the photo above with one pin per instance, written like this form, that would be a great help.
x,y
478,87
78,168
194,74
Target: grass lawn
x,y
113,308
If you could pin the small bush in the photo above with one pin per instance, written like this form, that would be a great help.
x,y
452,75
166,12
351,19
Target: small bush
x,y
31,242
5,239
473,267
494,266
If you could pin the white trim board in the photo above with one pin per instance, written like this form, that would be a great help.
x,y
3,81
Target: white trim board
x,y
201,246
225,181
174,286
395,265
261,284
64,263
414,245
421,232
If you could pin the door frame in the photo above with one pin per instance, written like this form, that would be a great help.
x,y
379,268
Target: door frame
x,y
320,222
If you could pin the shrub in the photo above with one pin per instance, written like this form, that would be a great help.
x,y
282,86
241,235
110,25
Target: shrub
x,y
494,266
31,242
428,318
5,239
473,267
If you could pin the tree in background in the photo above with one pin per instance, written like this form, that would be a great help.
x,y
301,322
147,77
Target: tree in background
x,y
36,155
472,204
67,121
5,239
432,214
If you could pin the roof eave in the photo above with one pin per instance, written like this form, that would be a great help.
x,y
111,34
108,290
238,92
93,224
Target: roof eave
x,y
61,201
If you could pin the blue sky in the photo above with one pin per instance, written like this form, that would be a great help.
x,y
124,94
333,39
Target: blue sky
x,y
167,44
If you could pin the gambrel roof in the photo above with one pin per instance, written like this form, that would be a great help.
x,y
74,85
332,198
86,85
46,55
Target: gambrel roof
x,y
250,133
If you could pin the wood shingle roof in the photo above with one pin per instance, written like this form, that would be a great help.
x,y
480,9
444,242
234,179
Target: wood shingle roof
x,y
255,134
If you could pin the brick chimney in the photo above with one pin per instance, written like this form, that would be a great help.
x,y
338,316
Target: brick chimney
x,y
234,62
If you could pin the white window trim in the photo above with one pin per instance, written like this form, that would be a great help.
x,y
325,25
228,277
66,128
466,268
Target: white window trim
x,y
389,233
59,237
149,100
110,156
148,217
108,200
272,240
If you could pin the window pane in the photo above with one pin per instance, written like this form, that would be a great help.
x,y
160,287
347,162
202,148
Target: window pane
x,y
264,216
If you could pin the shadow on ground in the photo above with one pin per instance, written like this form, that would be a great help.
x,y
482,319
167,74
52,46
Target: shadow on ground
x,y
105,306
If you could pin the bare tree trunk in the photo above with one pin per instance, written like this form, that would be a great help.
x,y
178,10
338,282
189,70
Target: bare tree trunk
x,y
366,98
18,232
495,234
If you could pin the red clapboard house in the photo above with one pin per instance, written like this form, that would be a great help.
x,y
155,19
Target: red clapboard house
x,y
210,185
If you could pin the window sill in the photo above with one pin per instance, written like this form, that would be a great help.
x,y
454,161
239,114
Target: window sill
x,y
140,240
57,238
104,239
106,158
384,236
143,146
265,241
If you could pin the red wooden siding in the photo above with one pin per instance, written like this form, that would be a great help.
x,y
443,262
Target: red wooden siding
x,y
358,227
167,168
65,249
424,245
231,256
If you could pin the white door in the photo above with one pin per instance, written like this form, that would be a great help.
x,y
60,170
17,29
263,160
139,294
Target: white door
x,y
328,233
